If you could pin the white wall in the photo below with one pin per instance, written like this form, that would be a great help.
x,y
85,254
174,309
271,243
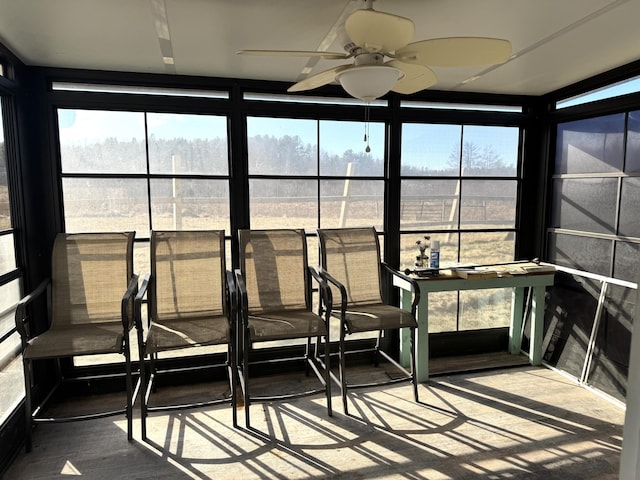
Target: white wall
x,y
630,459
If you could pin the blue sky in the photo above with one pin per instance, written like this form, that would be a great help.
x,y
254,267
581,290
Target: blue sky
x,y
424,145
622,88
336,137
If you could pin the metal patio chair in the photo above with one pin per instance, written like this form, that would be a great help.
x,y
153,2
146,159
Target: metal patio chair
x,y
274,285
90,307
350,262
190,304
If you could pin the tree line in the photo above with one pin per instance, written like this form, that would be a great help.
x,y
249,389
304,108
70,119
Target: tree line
x,y
268,155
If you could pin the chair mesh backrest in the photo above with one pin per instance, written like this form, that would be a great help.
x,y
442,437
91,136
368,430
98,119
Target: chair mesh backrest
x,y
90,273
352,256
274,266
188,274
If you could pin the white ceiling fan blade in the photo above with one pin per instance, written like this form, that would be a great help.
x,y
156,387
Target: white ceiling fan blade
x,y
294,53
317,80
376,31
415,79
456,52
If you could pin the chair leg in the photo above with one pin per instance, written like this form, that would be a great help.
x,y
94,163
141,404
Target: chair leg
x,y
414,379
152,372
376,354
149,388
143,394
231,370
343,379
129,387
327,372
245,374
307,357
27,405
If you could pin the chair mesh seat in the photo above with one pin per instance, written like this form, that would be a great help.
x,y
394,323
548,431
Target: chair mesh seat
x,y
274,297
350,260
188,306
183,333
89,339
368,317
90,298
285,325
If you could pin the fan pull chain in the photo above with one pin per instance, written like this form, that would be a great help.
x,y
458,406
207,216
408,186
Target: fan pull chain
x,y
366,128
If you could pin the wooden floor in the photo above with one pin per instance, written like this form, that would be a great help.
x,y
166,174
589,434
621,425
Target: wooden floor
x,y
513,423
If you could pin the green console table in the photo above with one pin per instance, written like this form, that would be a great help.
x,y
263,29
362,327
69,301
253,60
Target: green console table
x,y
518,283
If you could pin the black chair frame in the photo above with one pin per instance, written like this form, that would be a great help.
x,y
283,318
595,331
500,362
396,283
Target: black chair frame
x,y
149,374
35,415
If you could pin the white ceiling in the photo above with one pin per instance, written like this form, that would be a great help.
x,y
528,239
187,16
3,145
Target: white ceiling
x,y
555,42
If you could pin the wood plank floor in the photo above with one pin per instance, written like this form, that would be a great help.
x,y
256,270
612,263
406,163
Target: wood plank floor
x,y
515,423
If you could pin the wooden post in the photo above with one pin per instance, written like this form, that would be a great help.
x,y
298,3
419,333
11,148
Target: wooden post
x,y
345,195
177,194
454,204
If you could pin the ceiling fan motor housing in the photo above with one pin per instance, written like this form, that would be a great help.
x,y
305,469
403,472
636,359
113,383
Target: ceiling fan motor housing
x,y
369,59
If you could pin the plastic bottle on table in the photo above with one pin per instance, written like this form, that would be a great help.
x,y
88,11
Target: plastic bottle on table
x,y
434,254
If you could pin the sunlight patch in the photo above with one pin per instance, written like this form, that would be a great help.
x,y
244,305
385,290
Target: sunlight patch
x,y
69,469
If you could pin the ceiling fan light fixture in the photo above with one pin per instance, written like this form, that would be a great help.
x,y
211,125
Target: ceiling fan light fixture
x,y
369,82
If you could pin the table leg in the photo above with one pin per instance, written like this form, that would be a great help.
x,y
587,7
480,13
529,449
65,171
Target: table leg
x,y
537,324
422,336
515,326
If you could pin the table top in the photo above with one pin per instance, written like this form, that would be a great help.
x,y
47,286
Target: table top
x,y
518,274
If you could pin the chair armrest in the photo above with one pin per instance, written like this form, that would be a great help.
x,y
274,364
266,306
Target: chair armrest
x,y
242,301
326,296
343,291
126,305
231,294
414,285
139,298
22,325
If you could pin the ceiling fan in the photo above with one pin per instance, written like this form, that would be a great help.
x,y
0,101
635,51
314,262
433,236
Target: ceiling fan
x,y
375,36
